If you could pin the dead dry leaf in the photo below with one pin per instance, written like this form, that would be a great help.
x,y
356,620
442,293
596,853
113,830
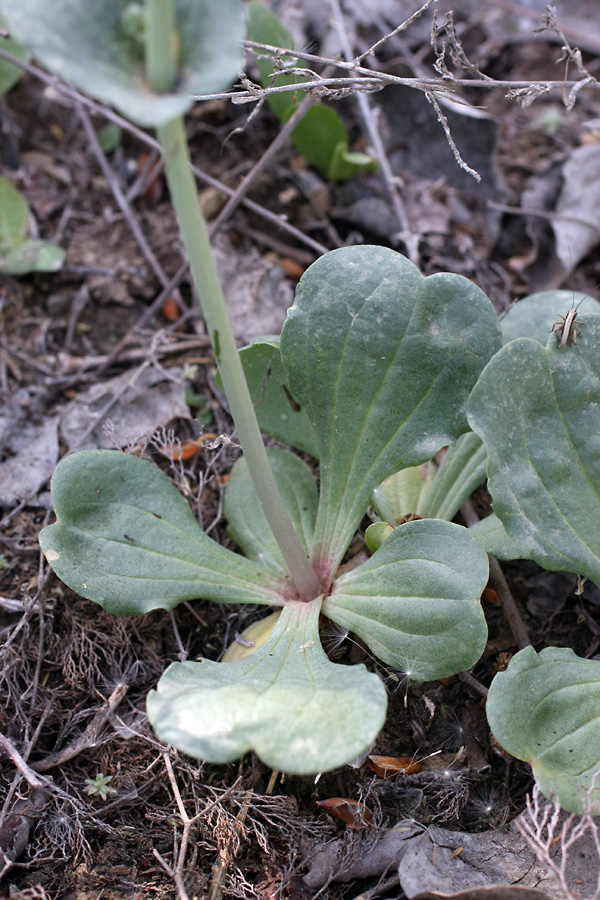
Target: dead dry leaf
x,y
141,405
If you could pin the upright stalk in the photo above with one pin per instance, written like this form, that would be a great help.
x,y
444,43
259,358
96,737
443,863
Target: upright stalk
x,y
192,225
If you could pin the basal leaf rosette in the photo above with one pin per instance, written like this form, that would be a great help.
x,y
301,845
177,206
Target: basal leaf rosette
x,y
545,709
286,701
99,48
538,411
415,603
126,539
382,360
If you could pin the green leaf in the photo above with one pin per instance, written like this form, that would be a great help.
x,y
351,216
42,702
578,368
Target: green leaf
x,y
265,28
277,412
10,74
492,536
32,256
247,523
126,539
535,315
92,46
14,213
403,493
415,603
318,134
376,534
462,469
545,709
537,409
345,164
109,138
383,361
297,710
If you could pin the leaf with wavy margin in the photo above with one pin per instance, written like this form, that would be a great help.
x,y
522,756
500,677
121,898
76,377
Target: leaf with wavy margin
x,y
297,710
383,361
126,539
415,603
545,709
538,411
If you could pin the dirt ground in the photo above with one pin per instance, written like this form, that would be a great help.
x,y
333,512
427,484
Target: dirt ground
x,y
112,806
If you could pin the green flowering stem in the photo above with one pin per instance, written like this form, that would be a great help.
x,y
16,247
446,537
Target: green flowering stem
x,y
194,232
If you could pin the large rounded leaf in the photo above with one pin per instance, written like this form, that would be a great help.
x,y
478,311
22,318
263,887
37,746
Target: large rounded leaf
x,y
247,523
545,709
538,410
300,712
127,539
94,46
383,361
415,603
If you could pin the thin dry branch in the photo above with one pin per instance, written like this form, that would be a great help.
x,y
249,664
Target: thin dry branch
x,y
59,88
553,837
406,233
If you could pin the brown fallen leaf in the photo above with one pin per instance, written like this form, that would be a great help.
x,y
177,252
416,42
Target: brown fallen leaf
x,y
356,815
392,766
186,450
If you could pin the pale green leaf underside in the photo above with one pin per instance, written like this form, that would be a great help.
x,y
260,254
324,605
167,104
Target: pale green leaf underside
x,y
415,603
538,411
297,710
86,44
545,709
126,539
247,523
383,361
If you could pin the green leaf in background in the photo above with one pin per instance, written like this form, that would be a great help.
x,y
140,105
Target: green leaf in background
x,y
462,469
109,138
383,361
247,523
32,256
545,709
18,256
92,46
403,493
535,315
538,410
297,710
415,603
277,412
265,28
10,74
14,213
126,539
345,164
320,136
492,537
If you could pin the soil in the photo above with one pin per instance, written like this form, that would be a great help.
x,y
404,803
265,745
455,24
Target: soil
x,y
109,820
